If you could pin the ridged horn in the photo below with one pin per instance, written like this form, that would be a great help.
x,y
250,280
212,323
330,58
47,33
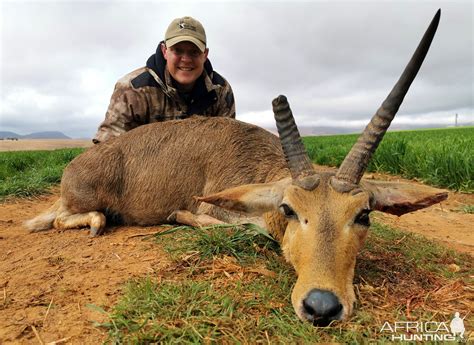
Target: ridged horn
x,y
300,165
352,168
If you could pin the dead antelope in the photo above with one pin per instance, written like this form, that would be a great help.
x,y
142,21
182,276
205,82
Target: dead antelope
x,y
150,175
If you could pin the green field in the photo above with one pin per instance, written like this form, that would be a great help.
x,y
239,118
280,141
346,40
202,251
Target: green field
x,y
439,157
28,173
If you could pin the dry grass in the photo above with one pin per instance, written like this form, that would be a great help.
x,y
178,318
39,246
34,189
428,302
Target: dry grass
x,y
43,144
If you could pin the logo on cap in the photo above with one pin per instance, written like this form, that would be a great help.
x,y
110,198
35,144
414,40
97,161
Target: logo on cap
x,y
182,25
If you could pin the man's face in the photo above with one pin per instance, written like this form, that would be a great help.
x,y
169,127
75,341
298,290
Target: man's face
x,y
185,63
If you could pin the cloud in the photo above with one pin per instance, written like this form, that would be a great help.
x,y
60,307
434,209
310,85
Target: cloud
x,y
336,61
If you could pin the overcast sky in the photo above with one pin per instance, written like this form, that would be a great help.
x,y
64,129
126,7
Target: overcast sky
x,y
334,60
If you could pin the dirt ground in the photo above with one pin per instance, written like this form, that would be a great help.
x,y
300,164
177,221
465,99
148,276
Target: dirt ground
x,y
443,222
42,144
48,280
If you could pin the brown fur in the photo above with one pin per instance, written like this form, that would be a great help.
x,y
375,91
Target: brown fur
x,y
150,172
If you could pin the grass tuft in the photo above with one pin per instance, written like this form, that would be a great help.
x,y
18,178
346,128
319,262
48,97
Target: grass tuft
x,y
243,242
467,209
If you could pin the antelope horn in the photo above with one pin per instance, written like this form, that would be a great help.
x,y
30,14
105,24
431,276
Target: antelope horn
x,y
300,165
352,168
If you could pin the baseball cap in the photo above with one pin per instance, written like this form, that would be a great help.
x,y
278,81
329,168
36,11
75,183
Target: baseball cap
x,y
186,29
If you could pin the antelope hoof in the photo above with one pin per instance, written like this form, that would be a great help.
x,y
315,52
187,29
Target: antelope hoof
x,y
95,231
172,217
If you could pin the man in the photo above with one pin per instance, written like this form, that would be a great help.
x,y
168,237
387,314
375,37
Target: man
x,y
177,82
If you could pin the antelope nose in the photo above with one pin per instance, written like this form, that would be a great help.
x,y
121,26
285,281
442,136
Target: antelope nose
x,y
322,307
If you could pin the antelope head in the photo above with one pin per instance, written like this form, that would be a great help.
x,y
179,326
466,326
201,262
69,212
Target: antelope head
x,y
325,216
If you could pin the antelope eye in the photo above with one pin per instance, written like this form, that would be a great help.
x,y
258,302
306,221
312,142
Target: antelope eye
x,y
363,218
288,211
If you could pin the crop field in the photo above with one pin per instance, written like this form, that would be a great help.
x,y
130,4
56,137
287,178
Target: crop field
x,y
226,284
439,157
28,173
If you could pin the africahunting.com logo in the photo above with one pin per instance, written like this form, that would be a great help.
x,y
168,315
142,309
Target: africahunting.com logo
x,y
425,331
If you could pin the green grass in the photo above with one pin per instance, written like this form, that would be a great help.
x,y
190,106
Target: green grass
x,y
28,173
243,242
440,157
219,300
467,209
193,312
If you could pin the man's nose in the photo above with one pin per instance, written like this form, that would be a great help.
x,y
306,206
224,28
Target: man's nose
x,y
186,56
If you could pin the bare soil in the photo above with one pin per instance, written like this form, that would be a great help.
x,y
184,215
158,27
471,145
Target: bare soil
x,y
444,222
48,280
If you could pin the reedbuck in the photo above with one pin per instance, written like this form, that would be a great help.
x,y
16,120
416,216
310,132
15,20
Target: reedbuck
x,y
152,175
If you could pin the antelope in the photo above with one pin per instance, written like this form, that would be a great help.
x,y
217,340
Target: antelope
x,y
202,171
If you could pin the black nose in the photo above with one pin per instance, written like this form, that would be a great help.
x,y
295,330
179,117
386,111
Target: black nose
x,y
322,307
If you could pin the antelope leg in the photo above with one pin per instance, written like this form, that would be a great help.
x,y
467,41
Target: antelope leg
x,y
94,220
188,218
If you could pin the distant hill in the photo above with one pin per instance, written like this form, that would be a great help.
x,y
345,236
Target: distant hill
x,y
36,135
46,135
323,130
4,134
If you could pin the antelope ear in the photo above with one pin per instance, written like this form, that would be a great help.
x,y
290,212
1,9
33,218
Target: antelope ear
x,y
253,199
400,198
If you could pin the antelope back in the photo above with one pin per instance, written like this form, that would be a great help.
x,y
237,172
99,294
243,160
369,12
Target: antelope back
x,y
146,174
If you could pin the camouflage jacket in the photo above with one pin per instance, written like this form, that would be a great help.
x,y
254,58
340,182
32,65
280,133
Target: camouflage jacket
x,y
147,95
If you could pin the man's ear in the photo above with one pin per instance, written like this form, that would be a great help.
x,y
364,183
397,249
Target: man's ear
x,y
400,198
253,199
164,50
